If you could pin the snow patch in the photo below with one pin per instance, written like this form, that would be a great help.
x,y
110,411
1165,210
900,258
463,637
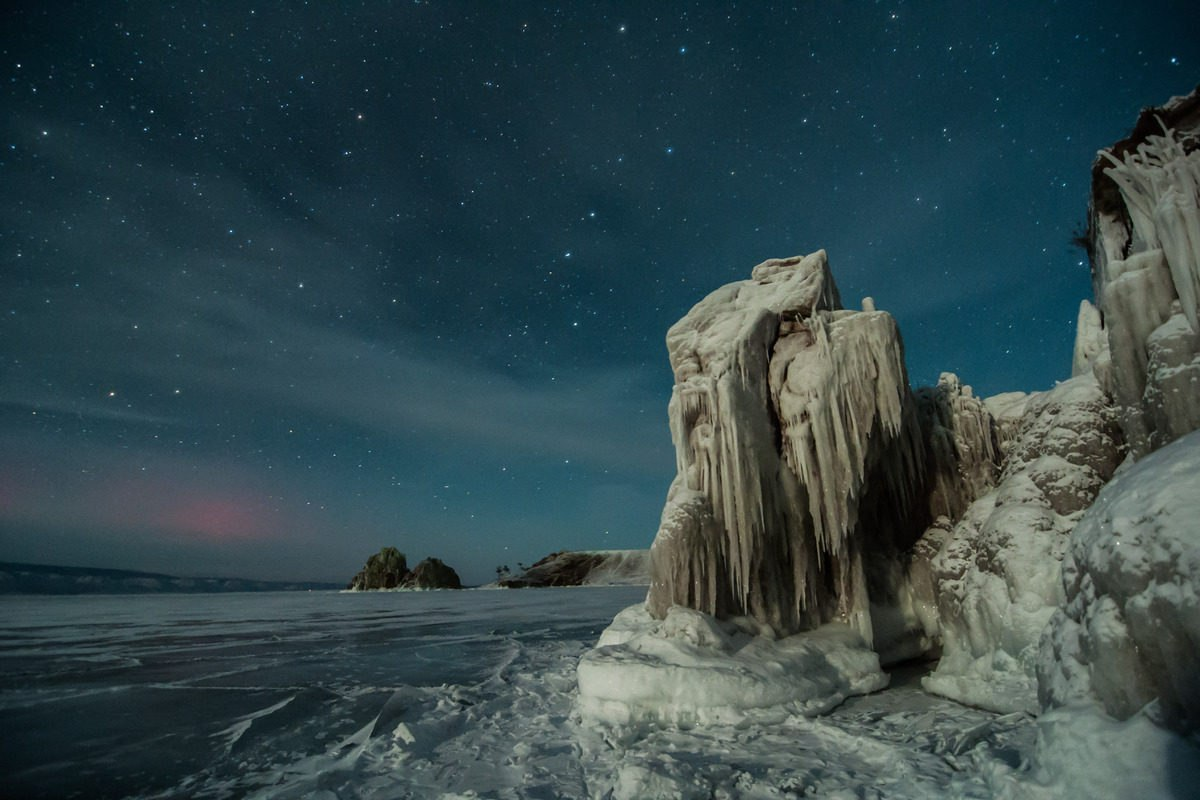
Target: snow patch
x,y
1084,754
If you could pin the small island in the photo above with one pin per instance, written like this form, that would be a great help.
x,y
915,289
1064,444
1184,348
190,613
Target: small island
x,y
388,569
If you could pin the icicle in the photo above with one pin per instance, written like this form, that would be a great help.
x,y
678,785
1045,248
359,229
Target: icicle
x,y
1160,184
784,409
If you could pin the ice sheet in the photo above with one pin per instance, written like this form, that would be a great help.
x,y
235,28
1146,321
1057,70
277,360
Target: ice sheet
x,y
384,695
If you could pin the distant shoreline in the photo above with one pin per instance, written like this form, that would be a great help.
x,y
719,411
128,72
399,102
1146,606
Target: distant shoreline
x,y
18,578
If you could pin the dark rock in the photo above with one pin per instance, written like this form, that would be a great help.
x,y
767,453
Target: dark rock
x,y
432,573
388,569
384,570
579,568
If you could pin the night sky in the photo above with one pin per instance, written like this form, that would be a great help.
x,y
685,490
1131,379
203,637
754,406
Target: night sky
x,y
279,287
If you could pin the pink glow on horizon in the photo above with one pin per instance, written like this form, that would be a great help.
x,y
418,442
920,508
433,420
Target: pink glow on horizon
x,y
216,510
217,517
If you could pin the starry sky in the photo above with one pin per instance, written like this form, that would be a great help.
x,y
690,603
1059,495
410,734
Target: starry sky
x,y
281,284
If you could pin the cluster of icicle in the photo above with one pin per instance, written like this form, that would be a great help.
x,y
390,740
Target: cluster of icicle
x,y
1147,274
1160,183
795,435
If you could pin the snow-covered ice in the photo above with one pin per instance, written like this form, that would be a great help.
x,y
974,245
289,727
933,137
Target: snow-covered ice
x,y
435,694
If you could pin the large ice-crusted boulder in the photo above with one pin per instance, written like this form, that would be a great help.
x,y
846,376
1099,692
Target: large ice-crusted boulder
x,y
798,452
1130,629
997,575
1144,242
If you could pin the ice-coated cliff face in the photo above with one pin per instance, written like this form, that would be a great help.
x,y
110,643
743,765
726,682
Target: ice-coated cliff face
x,y
1145,247
798,453
997,576
1118,660
961,443
807,471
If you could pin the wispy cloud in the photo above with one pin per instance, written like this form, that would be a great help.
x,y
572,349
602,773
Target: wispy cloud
x,y
158,329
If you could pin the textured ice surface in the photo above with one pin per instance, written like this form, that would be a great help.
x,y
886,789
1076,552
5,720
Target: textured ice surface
x,y
358,694
385,695
1129,633
1145,221
998,574
693,669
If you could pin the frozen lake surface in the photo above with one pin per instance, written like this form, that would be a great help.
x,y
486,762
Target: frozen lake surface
x,y
436,694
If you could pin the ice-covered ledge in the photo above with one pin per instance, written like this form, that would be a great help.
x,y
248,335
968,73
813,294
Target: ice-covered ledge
x,y
693,669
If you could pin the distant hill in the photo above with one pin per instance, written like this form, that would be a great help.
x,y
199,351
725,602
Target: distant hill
x,y
17,578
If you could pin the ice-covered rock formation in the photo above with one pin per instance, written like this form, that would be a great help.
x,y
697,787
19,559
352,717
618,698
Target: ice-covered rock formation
x,y
997,576
798,453
963,446
1129,632
1119,661
1144,231
815,492
963,454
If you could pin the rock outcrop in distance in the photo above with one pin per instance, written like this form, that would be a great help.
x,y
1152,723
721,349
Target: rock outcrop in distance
x,y
814,489
388,569
584,568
